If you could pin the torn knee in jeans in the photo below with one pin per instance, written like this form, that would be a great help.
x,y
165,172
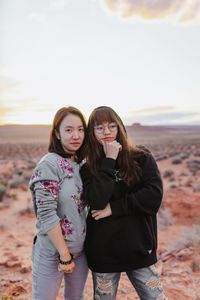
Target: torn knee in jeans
x,y
154,283
161,297
154,270
104,286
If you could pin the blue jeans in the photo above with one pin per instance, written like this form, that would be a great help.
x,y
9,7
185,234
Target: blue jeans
x,y
146,282
46,279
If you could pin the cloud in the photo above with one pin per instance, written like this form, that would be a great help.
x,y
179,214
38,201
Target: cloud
x,y
7,85
7,88
58,4
38,17
162,116
15,109
41,16
4,110
174,11
153,109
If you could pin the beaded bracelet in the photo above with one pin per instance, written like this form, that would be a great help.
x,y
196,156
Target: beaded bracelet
x,y
67,262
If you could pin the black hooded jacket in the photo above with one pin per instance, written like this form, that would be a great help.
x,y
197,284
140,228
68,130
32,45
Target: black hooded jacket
x,y
127,239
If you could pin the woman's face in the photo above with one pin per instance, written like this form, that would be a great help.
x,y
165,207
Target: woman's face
x,y
71,133
107,132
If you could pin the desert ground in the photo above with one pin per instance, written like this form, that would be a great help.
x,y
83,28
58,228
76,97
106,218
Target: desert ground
x,y
177,151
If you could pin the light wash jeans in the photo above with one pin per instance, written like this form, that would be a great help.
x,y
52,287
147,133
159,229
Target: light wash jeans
x,y
46,279
146,282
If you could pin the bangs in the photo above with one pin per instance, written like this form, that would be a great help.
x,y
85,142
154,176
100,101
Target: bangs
x,y
101,116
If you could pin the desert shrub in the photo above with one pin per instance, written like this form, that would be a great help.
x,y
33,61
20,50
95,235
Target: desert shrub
x,y
188,182
168,173
173,186
2,191
197,220
184,155
31,164
27,177
28,210
183,173
16,181
165,217
6,297
173,153
195,266
187,238
19,171
193,165
13,195
196,186
176,160
3,180
197,153
171,179
160,156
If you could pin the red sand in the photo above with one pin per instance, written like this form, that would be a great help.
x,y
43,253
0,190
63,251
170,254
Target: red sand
x,y
180,258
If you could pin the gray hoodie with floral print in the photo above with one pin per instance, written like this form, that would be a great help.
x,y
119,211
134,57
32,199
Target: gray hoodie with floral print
x,y
56,189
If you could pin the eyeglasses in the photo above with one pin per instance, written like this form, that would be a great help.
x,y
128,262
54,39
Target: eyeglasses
x,y
112,127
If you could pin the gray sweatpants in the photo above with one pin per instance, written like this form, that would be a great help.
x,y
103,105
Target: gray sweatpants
x,y
46,279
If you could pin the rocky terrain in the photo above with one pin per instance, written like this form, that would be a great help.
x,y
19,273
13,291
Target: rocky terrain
x,y
178,158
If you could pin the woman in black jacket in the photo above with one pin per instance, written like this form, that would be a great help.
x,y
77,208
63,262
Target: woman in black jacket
x,y
123,188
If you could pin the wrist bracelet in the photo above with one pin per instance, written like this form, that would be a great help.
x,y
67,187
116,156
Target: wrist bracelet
x,y
66,262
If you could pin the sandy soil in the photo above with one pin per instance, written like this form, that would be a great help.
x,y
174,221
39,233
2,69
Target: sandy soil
x,y
179,233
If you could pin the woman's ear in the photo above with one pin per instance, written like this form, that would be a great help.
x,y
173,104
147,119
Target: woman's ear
x,y
57,134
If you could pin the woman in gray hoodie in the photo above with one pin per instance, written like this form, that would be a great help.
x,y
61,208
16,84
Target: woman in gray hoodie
x,y
56,188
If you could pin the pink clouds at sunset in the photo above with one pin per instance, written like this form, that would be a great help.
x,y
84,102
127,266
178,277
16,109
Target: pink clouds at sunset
x,y
178,11
162,115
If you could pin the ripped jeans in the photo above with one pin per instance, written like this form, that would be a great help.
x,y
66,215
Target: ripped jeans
x,y
146,282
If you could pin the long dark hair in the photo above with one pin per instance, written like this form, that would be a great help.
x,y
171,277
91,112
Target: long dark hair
x,y
54,143
127,165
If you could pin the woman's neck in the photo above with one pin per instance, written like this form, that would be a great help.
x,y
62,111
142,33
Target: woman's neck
x,y
73,158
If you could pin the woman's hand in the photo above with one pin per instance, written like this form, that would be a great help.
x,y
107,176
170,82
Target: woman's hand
x,y
66,268
103,213
111,149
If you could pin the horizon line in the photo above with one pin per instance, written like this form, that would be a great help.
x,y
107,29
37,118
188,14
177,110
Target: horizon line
x,y
133,124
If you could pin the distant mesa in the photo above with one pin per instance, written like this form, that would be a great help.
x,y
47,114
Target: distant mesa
x,y
136,125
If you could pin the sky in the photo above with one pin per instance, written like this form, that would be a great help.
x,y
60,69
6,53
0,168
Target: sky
x,y
141,57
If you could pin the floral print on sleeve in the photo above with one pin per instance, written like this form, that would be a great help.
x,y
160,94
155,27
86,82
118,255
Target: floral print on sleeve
x,y
66,166
36,174
39,202
78,199
66,226
51,187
